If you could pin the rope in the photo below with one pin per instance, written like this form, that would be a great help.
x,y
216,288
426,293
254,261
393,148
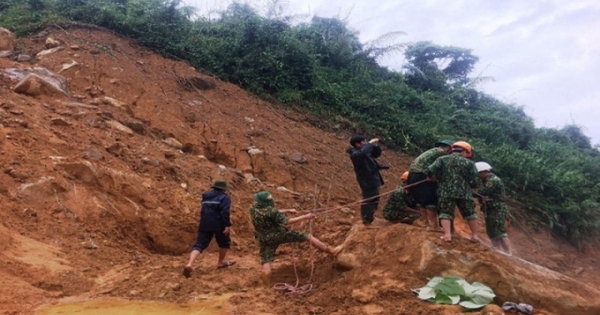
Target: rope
x,y
329,209
297,289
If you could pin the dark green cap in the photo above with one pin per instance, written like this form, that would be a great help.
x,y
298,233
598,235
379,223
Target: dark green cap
x,y
220,184
444,142
264,199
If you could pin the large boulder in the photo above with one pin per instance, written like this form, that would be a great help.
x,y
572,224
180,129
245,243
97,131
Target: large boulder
x,y
7,40
407,255
38,81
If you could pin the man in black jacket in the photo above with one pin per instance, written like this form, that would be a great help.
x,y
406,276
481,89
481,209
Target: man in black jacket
x,y
214,221
363,154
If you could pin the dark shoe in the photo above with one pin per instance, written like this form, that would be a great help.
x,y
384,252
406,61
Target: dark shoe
x,y
187,271
226,263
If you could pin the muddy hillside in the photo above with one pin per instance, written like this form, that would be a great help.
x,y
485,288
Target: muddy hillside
x,y
107,147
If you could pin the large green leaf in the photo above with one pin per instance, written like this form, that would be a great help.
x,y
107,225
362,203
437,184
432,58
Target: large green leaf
x,y
449,286
454,290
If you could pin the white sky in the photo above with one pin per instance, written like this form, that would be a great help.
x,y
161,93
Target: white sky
x,y
543,54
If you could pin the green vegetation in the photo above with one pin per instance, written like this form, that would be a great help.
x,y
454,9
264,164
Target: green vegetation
x,y
320,66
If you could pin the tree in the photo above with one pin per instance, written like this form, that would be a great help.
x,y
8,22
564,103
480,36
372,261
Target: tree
x,y
440,65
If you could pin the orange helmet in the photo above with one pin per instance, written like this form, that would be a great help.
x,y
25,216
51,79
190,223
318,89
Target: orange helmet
x,y
465,146
404,176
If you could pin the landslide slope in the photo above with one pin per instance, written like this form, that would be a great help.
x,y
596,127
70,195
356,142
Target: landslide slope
x,y
100,188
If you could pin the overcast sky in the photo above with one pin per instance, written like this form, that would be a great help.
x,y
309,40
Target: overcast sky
x,y
543,54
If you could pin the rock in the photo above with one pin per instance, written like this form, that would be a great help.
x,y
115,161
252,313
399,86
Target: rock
x,y
57,121
298,158
511,278
254,151
116,149
579,270
83,171
7,40
82,105
74,47
136,126
346,261
118,126
23,58
6,53
92,154
150,161
250,179
51,43
197,83
35,85
112,101
67,66
49,51
172,142
16,174
39,81
90,245
283,189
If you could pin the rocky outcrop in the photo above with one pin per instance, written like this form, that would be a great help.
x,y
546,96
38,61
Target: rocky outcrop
x,y
38,81
511,278
7,40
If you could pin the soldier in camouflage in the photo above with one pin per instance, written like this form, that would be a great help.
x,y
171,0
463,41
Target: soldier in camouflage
x,y
271,230
456,175
493,206
398,207
425,194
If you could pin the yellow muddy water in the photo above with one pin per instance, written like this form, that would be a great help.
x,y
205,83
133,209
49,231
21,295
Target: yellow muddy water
x,y
217,306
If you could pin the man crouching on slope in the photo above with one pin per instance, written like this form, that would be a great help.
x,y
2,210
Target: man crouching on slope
x,y
271,230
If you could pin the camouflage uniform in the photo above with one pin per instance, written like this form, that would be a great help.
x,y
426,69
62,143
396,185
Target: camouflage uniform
x,y
394,209
495,210
456,175
271,231
426,158
424,193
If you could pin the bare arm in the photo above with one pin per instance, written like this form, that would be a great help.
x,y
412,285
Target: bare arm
x,y
301,218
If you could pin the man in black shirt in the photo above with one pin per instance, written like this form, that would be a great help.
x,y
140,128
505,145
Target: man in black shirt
x,y
363,154
214,221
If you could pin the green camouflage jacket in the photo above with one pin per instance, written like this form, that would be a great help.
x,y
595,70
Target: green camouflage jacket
x,y
456,176
425,159
268,222
395,208
494,189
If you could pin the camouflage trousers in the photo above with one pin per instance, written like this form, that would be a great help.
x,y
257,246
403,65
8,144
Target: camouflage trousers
x,y
269,246
394,209
495,218
465,206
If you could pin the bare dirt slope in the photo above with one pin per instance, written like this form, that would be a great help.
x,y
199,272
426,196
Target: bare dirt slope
x,y
100,189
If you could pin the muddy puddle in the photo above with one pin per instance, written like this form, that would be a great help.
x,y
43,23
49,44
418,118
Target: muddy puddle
x,y
213,306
